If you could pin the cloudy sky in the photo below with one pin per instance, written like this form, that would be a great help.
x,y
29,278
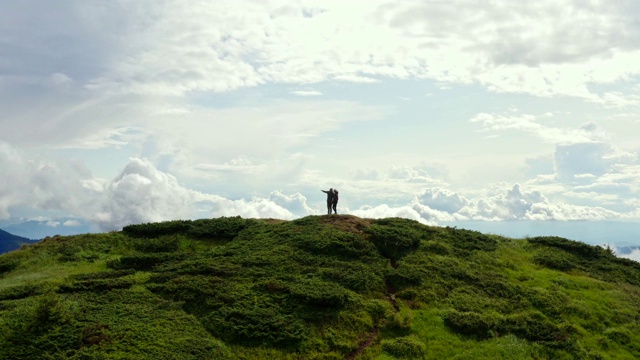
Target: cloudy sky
x,y
485,112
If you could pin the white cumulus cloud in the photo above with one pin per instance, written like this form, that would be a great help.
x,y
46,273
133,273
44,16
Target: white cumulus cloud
x,y
384,211
253,208
517,204
143,194
295,203
443,200
40,183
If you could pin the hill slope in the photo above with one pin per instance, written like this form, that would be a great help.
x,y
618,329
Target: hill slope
x,y
320,287
10,242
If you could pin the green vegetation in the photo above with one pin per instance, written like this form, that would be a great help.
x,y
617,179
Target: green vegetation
x,y
320,287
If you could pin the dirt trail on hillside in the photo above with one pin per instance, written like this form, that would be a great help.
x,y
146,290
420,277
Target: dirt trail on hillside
x,y
371,337
356,225
364,345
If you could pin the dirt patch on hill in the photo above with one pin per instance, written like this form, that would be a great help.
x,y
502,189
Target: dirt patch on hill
x,y
348,223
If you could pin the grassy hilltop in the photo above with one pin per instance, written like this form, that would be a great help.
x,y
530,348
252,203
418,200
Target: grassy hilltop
x,y
320,287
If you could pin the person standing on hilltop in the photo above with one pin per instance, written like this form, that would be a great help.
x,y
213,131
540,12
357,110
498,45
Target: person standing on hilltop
x,y
335,200
329,199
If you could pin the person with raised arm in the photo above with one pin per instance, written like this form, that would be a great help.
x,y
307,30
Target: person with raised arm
x,y
330,196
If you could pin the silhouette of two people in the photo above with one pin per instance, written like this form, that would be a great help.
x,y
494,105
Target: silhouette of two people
x,y
332,200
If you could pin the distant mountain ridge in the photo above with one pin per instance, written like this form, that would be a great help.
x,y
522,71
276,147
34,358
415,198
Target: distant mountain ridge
x,y
10,242
39,229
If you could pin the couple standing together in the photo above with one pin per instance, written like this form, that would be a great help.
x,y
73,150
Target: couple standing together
x,y
332,200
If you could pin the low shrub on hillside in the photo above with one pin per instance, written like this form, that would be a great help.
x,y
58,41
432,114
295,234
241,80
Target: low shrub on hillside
x,y
499,288
470,299
620,336
143,261
103,275
69,251
395,241
550,302
51,310
224,228
379,310
311,221
8,263
253,324
200,266
407,347
129,324
557,260
399,322
566,255
445,274
191,288
437,247
88,256
154,230
97,285
22,291
404,276
479,325
615,270
340,244
158,245
355,276
99,281
574,247
467,240
533,326
319,293
408,294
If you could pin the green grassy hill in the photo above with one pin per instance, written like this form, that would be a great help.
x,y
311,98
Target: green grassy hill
x,y
320,287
